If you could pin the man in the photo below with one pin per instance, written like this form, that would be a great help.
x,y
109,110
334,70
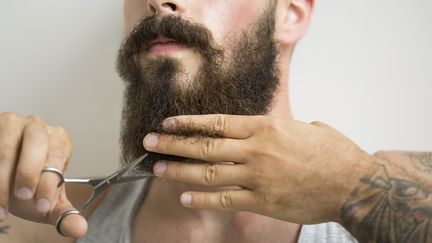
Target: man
x,y
216,57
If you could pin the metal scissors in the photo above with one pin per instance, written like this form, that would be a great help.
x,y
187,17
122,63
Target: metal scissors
x,y
99,184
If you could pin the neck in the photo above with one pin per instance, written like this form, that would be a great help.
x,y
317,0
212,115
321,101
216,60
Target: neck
x,y
162,208
281,105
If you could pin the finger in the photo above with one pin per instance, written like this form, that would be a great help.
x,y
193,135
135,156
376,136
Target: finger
x,y
59,151
10,138
238,200
202,148
31,161
229,126
204,174
74,225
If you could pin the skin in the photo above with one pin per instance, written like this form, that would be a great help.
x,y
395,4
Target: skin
x,y
384,197
161,207
273,159
27,144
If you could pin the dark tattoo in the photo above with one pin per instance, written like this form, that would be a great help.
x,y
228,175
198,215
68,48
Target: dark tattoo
x,y
3,229
387,209
422,161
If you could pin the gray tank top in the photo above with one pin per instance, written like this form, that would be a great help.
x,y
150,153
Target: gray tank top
x,y
111,221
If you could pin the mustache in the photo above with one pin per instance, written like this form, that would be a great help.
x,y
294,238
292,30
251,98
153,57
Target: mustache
x,y
183,31
148,29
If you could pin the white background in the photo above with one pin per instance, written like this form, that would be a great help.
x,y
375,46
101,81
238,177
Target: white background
x,y
365,68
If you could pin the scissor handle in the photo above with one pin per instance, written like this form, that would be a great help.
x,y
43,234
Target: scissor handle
x,y
99,185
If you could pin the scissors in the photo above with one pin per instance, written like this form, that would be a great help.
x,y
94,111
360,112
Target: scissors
x,y
99,184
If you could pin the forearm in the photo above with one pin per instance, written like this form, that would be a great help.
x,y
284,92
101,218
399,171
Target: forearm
x,y
394,203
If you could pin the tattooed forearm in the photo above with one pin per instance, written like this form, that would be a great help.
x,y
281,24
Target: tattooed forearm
x,y
388,209
3,229
421,161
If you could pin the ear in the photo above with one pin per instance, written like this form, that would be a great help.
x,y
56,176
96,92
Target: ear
x,y
292,20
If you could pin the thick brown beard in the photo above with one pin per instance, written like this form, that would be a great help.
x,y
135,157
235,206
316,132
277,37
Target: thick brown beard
x,y
246,87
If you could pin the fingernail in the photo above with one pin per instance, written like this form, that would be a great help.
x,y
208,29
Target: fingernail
x,y
43,205
160,168
169,123
186,199
2,214
151,140
24,193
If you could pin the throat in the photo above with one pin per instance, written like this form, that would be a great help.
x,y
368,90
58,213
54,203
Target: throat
x,y
161,218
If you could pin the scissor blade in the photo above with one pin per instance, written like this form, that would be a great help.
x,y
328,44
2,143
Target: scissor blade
x,y
130,178
100,184
134,163
116,176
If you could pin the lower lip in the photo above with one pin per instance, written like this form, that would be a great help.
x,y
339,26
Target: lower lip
x,y
165,48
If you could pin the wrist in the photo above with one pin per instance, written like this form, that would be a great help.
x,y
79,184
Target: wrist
x,y
366,191
362,166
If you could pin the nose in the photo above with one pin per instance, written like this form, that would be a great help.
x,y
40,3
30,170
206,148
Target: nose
x,y
165,7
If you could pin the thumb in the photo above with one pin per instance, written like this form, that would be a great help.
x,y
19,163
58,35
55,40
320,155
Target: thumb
x,y
73,225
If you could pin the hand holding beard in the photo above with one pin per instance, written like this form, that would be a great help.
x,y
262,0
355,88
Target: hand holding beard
x,y
285,169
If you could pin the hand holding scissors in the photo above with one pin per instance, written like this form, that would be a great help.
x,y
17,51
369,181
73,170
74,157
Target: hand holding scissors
x,y
29,147
99,185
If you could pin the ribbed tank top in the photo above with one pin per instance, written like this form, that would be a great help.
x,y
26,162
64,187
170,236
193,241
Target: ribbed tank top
x,y
111,221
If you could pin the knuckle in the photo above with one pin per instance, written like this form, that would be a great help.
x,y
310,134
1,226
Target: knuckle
x,y
207,146
61,137
35,118
219,125
260,151
9,117
269,126
260,177
57,130
28,174
6,151
177,171
205,202
225,199
210,172
31,119
56,155
61,131
169,143
68,147
34,132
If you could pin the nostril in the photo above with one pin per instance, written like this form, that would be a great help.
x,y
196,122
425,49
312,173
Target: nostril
x,y
172,6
